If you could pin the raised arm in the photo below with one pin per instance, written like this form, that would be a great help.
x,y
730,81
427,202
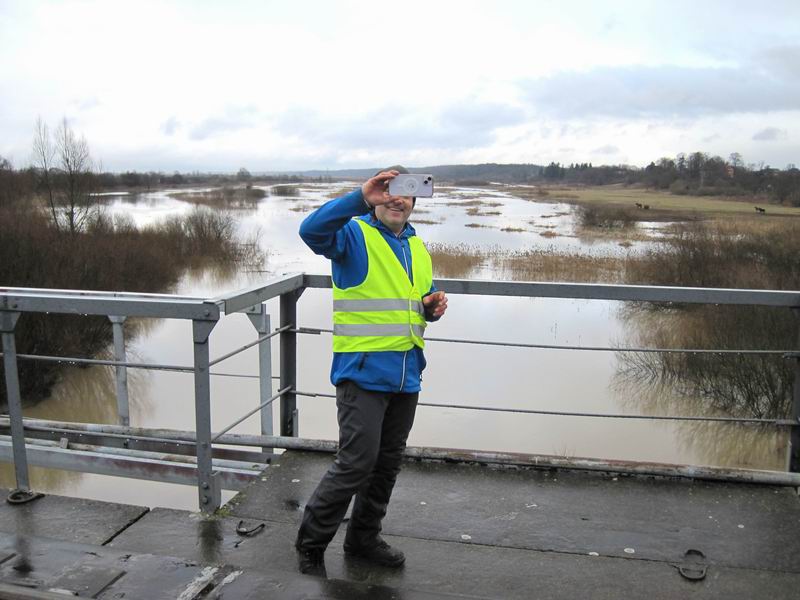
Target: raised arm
x,y
324,229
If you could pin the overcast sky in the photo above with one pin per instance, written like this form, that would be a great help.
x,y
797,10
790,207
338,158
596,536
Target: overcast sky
x,y
301,85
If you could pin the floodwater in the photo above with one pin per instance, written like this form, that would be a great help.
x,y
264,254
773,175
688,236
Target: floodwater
x,y
494,376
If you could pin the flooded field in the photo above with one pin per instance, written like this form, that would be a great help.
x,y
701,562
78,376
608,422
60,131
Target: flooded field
x,y
480,233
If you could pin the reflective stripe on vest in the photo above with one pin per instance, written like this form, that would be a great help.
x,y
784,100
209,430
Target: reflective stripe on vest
x,y
385,312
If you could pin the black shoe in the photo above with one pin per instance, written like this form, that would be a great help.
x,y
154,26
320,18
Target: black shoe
x,y
311,562
380,553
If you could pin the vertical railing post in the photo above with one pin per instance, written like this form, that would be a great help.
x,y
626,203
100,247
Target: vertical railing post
x,y
289,415
8,321
207,484
261,322
123,411
794,433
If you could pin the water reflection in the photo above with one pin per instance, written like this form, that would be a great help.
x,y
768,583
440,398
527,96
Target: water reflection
x,y
84,395
748,386
720,444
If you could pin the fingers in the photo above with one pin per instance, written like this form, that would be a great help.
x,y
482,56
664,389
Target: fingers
x,y
437,303
388,174
375,188
435,297
384,177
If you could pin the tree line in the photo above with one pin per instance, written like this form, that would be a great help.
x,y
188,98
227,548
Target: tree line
x,y
697,173
63,172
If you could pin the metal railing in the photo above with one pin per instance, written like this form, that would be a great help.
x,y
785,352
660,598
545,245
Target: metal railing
x,y
213,467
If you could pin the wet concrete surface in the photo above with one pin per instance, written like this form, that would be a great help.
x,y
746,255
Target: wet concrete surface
x,y
467,531
736,525
67,519
464,570
92,571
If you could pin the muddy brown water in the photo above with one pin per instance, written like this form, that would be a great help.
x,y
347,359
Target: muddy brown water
x,y
555,380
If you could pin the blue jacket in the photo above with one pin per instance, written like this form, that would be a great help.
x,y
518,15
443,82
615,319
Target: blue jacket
x,y
331,232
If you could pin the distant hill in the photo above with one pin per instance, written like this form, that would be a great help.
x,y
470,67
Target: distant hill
x,y
504,173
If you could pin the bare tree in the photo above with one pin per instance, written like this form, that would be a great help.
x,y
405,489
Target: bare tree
x,y
66,173
43,159
76,170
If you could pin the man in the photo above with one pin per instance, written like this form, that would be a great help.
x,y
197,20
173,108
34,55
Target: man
x,y
383,294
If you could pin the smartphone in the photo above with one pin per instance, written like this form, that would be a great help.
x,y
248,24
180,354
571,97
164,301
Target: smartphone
x,y
418,186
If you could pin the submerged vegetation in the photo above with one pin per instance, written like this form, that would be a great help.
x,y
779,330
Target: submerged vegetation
x,y
724,255
224,197
105,254
284,190
462,261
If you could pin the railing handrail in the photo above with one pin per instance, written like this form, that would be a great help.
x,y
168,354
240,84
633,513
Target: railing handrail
x,y
250,296
144,304
205,312
120,304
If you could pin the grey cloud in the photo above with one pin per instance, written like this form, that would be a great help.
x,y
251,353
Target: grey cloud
x,y
233,119
170,126
87,103
781,61
607,149
467,125
666,91
770,134
711,138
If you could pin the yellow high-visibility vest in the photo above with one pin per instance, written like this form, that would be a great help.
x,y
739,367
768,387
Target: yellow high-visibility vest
x,y
385,311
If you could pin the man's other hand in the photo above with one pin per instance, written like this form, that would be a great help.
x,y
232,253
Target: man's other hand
x,y
375,189
435,304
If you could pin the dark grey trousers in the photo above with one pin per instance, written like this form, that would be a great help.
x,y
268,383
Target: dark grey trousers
x,y
373,429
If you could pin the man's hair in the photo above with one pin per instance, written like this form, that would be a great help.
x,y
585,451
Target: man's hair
x,y
399,168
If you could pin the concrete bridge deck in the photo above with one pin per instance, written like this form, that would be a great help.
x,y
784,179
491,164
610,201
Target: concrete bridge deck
x,y
468,532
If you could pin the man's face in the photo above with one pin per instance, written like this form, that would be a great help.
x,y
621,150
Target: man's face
x,y
395,212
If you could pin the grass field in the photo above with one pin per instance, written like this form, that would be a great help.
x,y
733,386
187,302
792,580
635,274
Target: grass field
x,y
662,204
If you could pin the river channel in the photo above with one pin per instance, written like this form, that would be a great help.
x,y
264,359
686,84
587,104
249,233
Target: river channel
x,y
495,376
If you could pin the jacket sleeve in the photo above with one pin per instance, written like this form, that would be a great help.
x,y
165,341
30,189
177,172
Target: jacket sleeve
x,y
324,229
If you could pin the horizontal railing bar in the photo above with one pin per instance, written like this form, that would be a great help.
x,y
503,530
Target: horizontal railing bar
x,y
103,362
461,455
601,291
243,299
158,444
126,466
69,427
774,422
53,292
252,412
116,363
242,375
119,304
315,394
146,454
317,330
259,340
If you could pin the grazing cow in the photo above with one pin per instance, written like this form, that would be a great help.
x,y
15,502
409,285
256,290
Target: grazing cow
x,y
646,207
760,210
638,205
